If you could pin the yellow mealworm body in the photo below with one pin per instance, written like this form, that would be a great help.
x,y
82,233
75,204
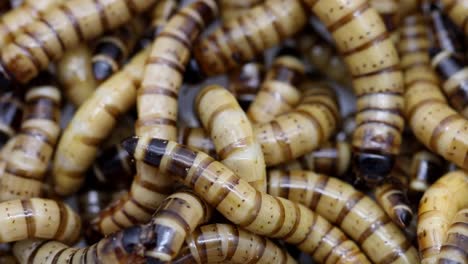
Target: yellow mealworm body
x,y
302,130
61,28
92,124
363,41
245,206
29,159
11,113
162,11
38,218
75,75
224,243
197,138
356,214
245,82
437,209
243,38
454,249
230,9
278,93
157,113
425,168
112,50
232,135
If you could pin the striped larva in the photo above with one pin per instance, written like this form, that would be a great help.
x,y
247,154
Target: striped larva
x,y
75,75
224,243
11,113
231,9
302,130
390,13
425,168
245,206
243,38
437,209
454,249
197,138
112,50
457,11
61,28
278,92
444,34
232,135
356,214
92,124
27,163
162,11
245,82
157,113
38,218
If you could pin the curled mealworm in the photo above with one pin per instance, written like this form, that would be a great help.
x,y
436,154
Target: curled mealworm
x,y
11,113
454,248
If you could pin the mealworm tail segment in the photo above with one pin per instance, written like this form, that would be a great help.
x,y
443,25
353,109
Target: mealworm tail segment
x,y
372,168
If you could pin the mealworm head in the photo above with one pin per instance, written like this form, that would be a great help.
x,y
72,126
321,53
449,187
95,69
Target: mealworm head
x,y
373,168
193,73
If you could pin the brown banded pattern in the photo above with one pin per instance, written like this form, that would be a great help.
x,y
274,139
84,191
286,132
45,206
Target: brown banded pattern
x,y
197,138
389,10
112,50
302,130
11,113
232,135
245,206
27,163
245,82
425,169
157,113
241,39
162,11
457,11
75,75
278,93
38,218
230,9
356,214
92,124
224,243
455,249
61,28
437,209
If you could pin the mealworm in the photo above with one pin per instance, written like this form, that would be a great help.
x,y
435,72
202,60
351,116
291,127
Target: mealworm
x,y
224,243
437,209
232,135
245,206
11,113
457,11
162,11
92,124
29,159
61,28
278,93
197,138
75,75
231,9
241,39
38,218
454,248
444,34
425,169
112,50
157,113
356,214
245,82
90,203
389,11
302,130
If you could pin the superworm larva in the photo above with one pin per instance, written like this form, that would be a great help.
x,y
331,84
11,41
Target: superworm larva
x,y
426,168
454,248
245,206
243,38
224,243
444,34
11,113
356,214
278,92
92,124
38,218
29,159
437,209
61,28
245,82
157,113
75,75
232,135
197,138
231,9
162,11
302,130
112,50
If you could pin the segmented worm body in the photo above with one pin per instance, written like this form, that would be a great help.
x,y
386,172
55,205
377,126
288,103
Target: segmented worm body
x,y
425,169
390,13
162,11
231,9
457,11
11,113
245,206
197,138
245,82
454,248
29,158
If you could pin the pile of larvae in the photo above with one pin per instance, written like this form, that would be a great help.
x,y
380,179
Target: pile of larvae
x,y
97,164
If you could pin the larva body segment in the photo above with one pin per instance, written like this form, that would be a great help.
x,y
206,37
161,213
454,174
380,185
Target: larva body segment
x,y
162,11
224,243
244,82
457,11
232,135
231,9
300,131
246,207
92,124
62,28
11,113
454,248
425,169
29,158
197,138
75,75
278,93
157,113
390,13
437,209
38,218
243,38
112,50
